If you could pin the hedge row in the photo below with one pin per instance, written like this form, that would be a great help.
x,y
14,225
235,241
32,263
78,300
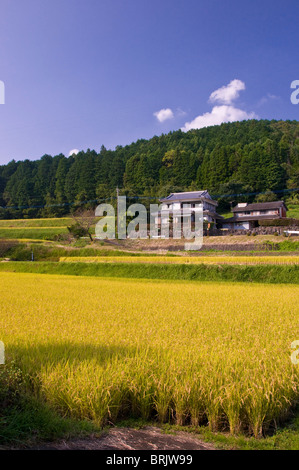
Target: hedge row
x,y
279,223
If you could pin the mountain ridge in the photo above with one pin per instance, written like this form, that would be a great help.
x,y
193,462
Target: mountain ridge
x,y
245,157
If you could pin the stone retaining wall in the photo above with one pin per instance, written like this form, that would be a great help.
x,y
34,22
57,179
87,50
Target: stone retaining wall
x,y
257,231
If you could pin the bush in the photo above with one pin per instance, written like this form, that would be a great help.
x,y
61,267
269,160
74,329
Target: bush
x,y
6,246
279,223
63,237
288,245
77,231
21,253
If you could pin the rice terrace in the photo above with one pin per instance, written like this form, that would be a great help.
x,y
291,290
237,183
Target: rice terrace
x,y
99,334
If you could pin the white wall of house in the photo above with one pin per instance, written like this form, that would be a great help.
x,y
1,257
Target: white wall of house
x,y
254,213
237,226
242,225
208,207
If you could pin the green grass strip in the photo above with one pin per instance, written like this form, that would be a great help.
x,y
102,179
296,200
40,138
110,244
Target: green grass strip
x,y
265,274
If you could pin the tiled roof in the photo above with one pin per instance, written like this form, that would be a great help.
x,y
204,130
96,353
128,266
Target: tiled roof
x,y
260,206
185,195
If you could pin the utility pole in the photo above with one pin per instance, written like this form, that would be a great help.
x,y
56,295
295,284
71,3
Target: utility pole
x,y
117,195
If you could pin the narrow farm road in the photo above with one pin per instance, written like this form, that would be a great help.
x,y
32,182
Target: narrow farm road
x,y
149,438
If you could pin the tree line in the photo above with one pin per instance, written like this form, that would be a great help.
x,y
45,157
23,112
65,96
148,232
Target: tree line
x,y
237,158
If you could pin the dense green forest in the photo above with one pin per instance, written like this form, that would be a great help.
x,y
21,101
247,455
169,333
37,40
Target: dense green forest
x,y
230,159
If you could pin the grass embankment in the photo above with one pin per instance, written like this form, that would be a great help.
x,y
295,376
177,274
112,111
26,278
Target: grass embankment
x,y
39,223
287,245
287,274
49,251
219,260
283,438
42,252
38,233
293,212
26,419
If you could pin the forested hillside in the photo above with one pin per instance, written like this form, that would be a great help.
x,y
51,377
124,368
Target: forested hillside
x,y
241,157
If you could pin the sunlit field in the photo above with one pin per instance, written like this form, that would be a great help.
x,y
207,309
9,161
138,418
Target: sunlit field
x,y
246,260
34,233
180,352
31,223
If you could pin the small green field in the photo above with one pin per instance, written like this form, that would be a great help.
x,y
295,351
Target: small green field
x,y
293,211
23,223
35,229
35,233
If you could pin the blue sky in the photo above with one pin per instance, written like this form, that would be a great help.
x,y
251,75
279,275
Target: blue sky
x,y
82,73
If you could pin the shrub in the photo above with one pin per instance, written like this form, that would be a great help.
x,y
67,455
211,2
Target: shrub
x,y
77,231
6,246
279,223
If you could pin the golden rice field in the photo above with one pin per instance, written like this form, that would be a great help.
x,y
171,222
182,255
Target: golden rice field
x,y
246,260
183,352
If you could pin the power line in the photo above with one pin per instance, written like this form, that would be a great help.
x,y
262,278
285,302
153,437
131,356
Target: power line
x,y
98,201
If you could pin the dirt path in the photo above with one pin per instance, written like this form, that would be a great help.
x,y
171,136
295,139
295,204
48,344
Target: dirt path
x,y
148,438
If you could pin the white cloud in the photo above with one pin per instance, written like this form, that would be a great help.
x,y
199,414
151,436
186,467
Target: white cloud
x,y
218,115
164,114
226,112
227,94
273,97
74,151
267,98
180,112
